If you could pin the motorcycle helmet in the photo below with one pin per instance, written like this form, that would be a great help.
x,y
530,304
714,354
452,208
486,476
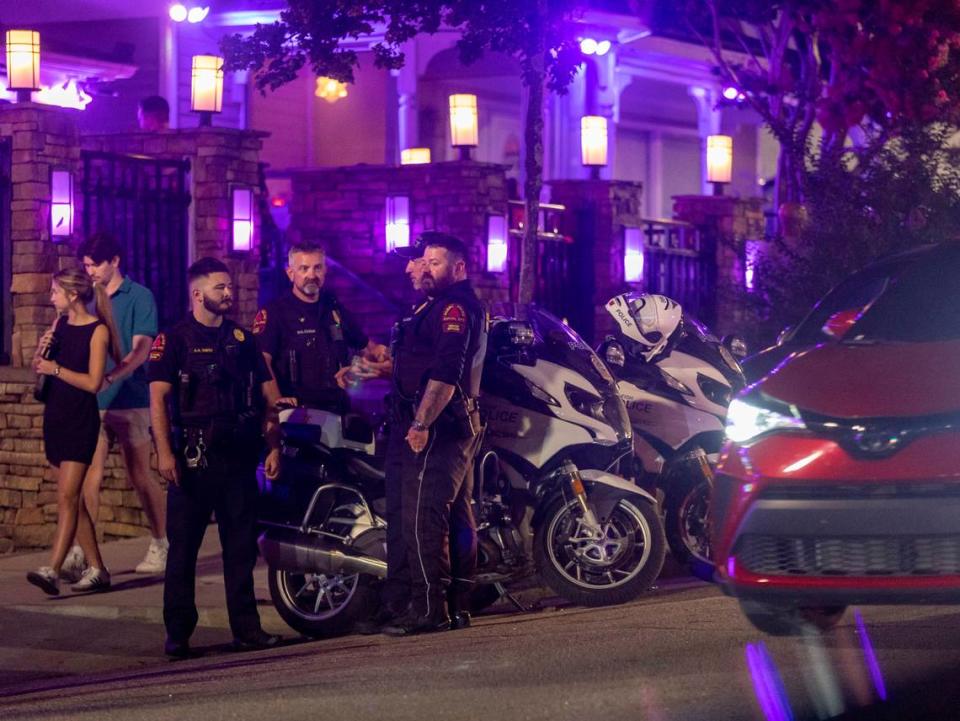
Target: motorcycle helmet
x,y
647,321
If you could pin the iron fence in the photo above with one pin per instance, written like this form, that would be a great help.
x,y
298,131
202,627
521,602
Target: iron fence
x,y
145,203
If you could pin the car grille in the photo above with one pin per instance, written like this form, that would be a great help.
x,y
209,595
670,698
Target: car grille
x,y
849,555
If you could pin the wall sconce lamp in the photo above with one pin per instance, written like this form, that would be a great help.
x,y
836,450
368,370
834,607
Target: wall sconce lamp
x,y
206,87
719,161
23,63
241,240
593,143
497,234
415,156
398,222
632,255
61,204
463,123
329,89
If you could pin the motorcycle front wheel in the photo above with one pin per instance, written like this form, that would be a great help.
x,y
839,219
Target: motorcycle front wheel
x,y
615,567
685,508
321,605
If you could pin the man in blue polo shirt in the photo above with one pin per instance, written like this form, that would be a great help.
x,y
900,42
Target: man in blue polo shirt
x,y
124,399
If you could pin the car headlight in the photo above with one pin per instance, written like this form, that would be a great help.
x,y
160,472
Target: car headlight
x,y
747,419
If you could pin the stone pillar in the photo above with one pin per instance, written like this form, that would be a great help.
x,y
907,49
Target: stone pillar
x,y
731,222
43,138
600,210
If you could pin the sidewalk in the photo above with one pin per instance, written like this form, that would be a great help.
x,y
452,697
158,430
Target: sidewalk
x,y
45,637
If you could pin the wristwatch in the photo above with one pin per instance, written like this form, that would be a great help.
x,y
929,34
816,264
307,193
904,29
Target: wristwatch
x,y
418,426
56,370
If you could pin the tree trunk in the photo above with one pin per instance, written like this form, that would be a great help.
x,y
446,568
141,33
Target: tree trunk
x,y
535,77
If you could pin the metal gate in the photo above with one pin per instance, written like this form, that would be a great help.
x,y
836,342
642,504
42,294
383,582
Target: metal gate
x,y
680,262
6,199
145,203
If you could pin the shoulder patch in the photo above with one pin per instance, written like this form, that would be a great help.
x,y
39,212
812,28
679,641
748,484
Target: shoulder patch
x,y
239,335
260,322
159,345
453,319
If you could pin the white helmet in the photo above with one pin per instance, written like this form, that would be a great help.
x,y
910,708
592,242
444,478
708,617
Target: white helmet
x,y
647,320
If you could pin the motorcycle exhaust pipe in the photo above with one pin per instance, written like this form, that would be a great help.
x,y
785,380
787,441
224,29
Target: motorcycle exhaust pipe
x,y
317,556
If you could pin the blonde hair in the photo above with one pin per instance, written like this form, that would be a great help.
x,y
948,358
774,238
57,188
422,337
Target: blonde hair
x,y
77,281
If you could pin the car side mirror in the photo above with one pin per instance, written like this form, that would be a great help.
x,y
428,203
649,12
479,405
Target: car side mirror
x,y
840,323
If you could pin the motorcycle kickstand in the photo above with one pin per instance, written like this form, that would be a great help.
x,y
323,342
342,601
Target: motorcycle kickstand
x,y
504,593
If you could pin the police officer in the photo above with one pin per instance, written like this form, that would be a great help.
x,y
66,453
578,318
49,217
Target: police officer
x,y
306,335
438,360
208,372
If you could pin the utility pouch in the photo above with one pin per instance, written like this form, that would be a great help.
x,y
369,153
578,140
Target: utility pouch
x,y
462,416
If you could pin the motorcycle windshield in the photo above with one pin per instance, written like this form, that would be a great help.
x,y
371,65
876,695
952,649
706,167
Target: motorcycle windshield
x,y
696,340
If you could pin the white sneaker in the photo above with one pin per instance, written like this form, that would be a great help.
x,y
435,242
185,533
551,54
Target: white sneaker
x,y
46,579
94,579
156,559
73,566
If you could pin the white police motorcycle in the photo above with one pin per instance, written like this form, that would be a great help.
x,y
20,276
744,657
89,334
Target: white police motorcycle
x,y
676,379
548,500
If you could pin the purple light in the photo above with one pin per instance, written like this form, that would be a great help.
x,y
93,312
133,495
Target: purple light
x,y
731,566
767,684
178,13
242,240
868,653
632,255
731,93
603,47
497,244
752,253
588,46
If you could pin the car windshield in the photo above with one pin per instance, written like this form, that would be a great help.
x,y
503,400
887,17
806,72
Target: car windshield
x,y
856,292
921,305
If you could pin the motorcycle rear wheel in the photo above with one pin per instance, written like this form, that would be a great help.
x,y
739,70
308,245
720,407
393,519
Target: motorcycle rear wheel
x,y
590,572
319,605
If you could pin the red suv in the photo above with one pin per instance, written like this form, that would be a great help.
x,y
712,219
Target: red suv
x,y
840,480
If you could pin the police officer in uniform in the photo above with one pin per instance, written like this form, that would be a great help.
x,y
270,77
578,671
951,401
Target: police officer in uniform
x,y
306,335
438,360
210,392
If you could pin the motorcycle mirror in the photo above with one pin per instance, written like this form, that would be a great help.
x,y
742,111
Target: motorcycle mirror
x,y
736,345
614,355
519,333
784,335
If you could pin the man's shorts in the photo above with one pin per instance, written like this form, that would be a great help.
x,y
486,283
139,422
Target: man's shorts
x,y
129,426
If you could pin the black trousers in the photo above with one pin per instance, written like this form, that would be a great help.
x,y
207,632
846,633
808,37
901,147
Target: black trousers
x,y
435,517
227,487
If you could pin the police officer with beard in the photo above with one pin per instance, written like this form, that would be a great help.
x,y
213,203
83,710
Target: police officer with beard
x,y
438,359
211,401
306,335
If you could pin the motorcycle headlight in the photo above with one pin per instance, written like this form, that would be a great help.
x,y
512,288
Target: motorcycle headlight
x,y
675,384
586,403
748,419
540,394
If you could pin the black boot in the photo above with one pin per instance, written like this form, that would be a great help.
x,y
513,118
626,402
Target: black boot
x,y
411,624
375,624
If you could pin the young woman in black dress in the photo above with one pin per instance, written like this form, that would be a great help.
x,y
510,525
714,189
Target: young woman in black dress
x,y
71,421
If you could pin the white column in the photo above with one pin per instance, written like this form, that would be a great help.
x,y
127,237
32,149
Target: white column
x,y
167,87
653,191
708,123
408,131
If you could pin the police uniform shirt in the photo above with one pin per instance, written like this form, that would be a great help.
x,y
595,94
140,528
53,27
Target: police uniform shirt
x,y
446,341
289,324
193,347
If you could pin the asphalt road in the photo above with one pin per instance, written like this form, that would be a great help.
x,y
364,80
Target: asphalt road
x,y
682,652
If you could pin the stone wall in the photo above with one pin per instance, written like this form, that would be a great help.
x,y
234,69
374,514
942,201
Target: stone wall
x,y
45,138
607,207
345,210
219,159
732,222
